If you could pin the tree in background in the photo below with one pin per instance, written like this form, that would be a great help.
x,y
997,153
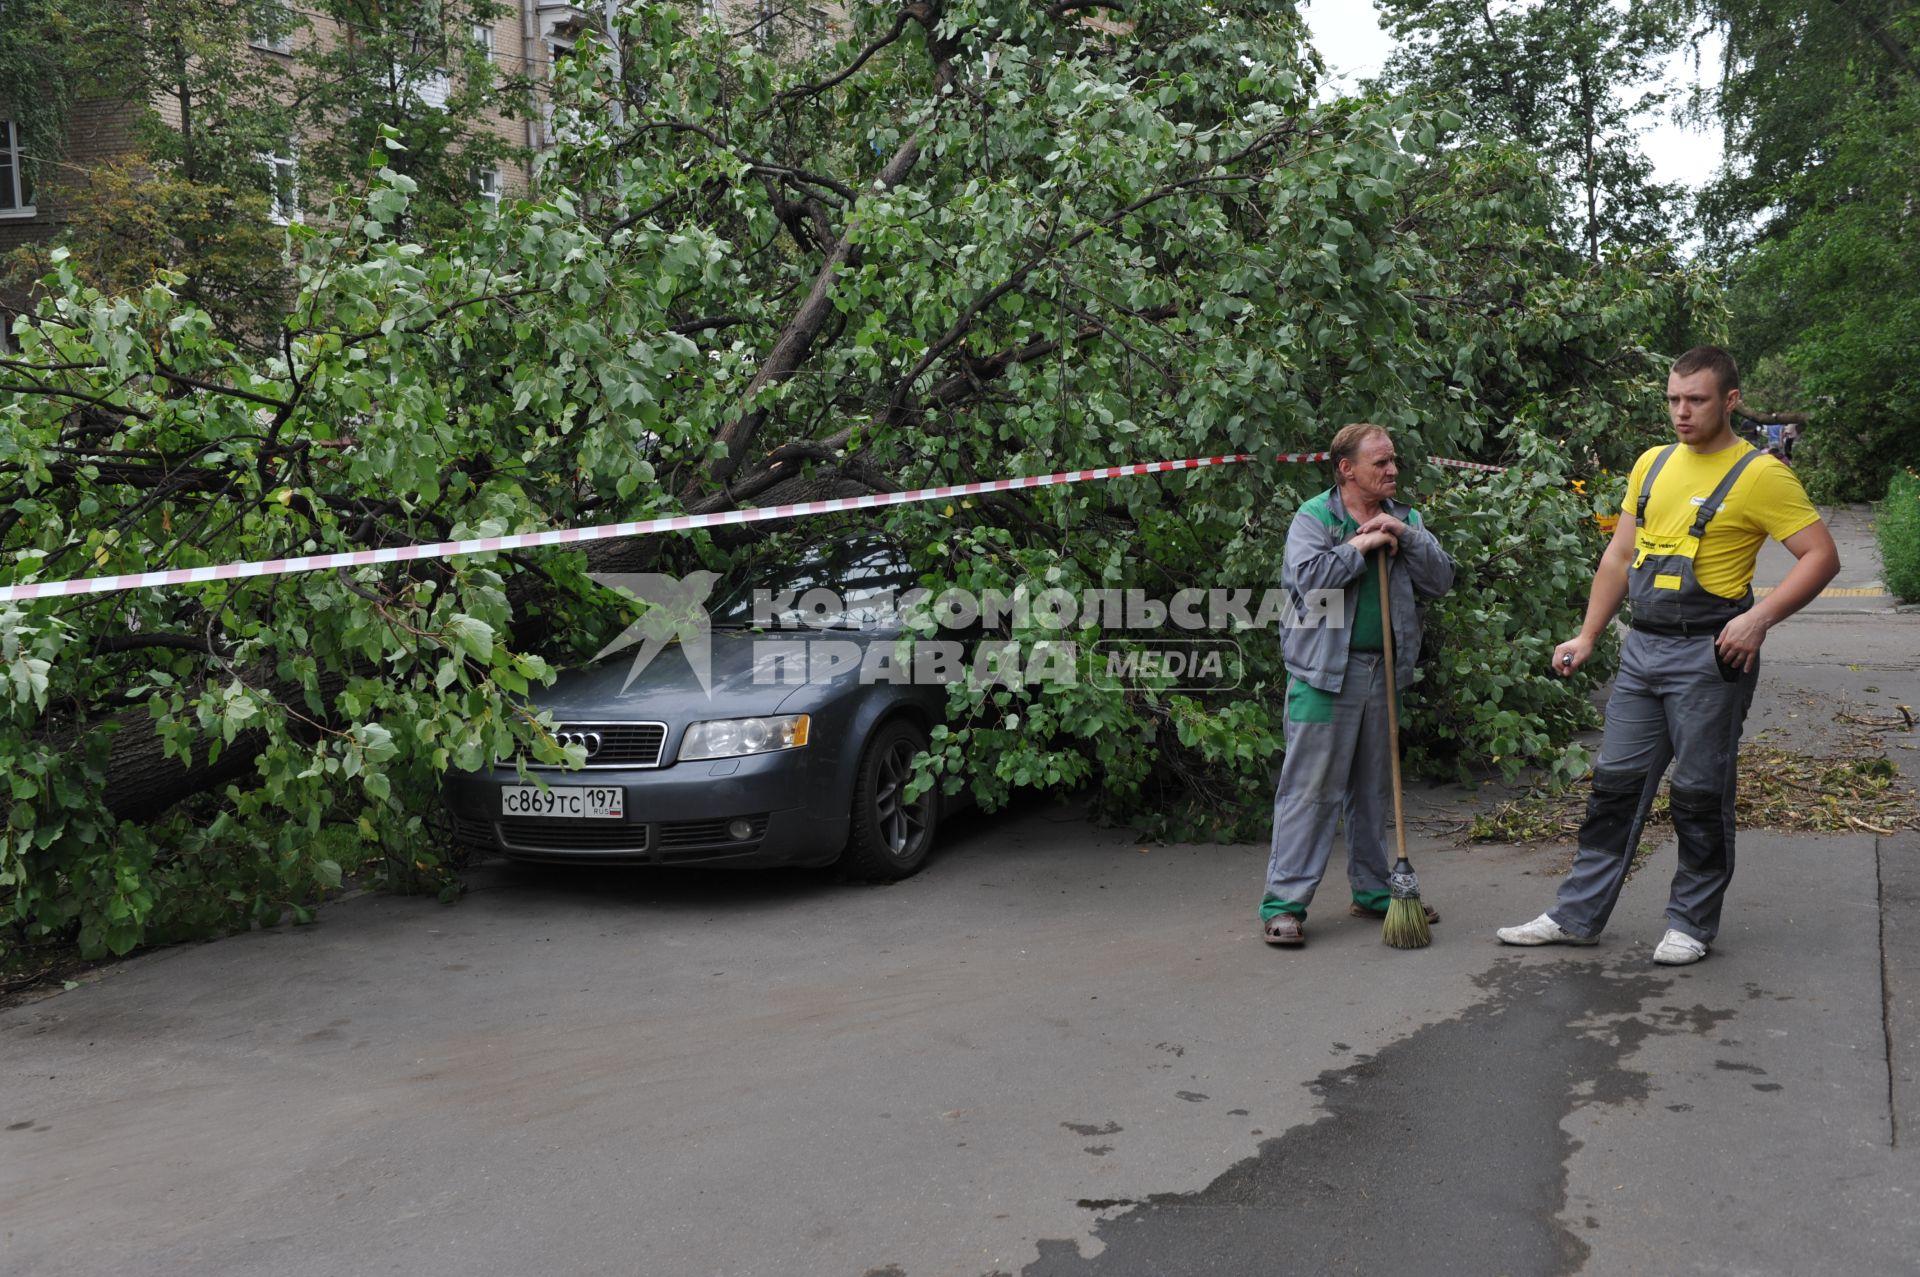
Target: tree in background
x,y
137,221
49,55
1572,82
410,81
1795,73
970,239
1814,218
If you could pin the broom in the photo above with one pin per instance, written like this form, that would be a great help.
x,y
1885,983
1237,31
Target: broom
x,y
1406,925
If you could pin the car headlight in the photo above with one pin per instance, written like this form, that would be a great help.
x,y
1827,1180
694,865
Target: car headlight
x,y
732,737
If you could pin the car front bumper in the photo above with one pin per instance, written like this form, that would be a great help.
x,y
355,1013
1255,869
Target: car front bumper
x,y
676,815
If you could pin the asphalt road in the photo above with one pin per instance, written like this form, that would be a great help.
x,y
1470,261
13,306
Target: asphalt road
x,y
1056,1051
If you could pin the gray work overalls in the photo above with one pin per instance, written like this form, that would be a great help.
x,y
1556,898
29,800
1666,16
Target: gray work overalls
x,y
1673,701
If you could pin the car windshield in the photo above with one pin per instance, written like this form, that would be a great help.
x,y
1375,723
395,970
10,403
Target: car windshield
x,y
856,584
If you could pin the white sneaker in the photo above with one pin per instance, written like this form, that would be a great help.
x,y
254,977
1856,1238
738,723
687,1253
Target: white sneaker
x,y
1542,930
1678,949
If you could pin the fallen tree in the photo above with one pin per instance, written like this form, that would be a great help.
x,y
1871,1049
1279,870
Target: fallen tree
x,y
967,241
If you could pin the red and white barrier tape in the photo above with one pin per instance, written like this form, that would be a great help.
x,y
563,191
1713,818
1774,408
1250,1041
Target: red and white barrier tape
x,y
609,531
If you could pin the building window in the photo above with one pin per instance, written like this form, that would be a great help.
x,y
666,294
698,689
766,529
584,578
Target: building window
x,y
820,26
283,185
16,187
428,86
487,186
272,27
483,39
551,129
433,90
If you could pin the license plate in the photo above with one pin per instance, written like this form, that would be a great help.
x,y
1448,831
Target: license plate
x,y
589,802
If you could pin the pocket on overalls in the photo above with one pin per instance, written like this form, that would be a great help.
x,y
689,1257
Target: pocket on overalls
x,y
1307,703
1667,554
1657,585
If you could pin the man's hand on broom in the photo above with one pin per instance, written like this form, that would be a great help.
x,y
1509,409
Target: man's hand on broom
x,y
1386,523
1369,538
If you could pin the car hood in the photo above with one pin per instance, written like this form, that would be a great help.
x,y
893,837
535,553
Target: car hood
x,y
667,688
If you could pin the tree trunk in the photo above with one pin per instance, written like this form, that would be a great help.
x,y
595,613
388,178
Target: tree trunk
x,y
183,91
143,782
1590,170
1769,418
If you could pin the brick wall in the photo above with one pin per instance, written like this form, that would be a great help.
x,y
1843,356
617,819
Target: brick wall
x,y
97,131
524,43
516,52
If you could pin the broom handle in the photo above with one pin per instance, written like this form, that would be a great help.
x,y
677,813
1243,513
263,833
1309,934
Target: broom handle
x,y
1393,708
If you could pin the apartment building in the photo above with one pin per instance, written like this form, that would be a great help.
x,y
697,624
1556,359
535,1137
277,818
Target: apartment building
x,y
526,41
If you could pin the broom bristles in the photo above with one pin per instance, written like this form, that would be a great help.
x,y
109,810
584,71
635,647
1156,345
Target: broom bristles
x,y
1406,925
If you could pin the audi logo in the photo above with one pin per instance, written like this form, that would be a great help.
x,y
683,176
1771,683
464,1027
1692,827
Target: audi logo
x,y
589,741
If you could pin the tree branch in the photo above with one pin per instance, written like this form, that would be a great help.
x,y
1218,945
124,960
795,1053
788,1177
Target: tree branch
x,y
163,370
1771,418
703,325
132,642
797,337
964,322
1879,34
1065,7
166,480
814,90
55,392
800,176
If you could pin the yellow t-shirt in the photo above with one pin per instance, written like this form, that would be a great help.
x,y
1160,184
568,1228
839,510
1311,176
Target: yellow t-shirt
x,y
1766,501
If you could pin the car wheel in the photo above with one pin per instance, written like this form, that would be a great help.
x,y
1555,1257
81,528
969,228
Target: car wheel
x,y
890,836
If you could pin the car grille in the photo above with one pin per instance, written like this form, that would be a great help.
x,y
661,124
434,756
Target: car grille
x,y
560,835
621,744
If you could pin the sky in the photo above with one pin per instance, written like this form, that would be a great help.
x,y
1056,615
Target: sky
x,y
1348,36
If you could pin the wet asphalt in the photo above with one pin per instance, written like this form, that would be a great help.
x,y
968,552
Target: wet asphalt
x,y
1419,1164
1057,1051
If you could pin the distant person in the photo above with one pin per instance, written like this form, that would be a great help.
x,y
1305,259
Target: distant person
x,y
1694,517
1788,437
1776,438
1337,764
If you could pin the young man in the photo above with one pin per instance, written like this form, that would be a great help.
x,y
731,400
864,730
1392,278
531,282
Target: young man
x,y
1337,762
1695,515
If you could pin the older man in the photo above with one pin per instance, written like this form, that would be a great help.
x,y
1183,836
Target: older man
x,y
1337,763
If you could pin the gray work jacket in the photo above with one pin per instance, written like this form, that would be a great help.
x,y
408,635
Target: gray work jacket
x,y
1319,559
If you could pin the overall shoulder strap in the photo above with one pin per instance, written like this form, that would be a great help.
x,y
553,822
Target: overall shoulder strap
x,y
1711,506
1646,488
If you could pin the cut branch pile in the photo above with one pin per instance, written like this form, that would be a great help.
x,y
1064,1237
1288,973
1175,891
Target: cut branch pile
x,y
1856,791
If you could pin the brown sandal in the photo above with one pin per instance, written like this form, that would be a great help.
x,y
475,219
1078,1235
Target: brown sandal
x,y
1285,929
